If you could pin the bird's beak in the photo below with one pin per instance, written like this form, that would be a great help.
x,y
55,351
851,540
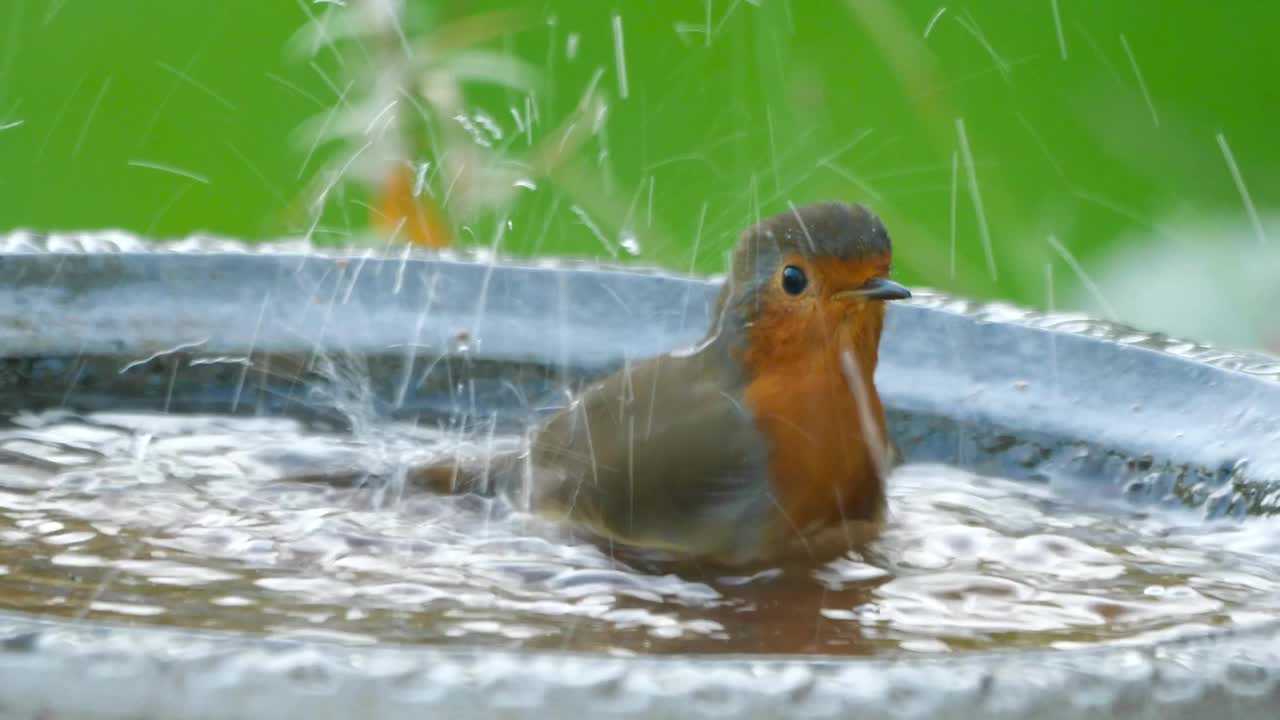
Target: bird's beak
x,y
876,289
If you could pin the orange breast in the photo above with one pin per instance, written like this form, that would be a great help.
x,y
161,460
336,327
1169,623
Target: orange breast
x,y
821,465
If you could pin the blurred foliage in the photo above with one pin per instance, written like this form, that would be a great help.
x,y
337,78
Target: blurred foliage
x,y
257,119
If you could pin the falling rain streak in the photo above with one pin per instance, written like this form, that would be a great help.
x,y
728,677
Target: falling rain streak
x,y
1244,191
1084,278
88,120
186,78
170,170
590,224
955,187
1051,306
1142,84
1057,26
971,26
934,21
620,56
976,196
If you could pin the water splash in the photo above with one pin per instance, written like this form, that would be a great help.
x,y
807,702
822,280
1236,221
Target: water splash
x,y
183,521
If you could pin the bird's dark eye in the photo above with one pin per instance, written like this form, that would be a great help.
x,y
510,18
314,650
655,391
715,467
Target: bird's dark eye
x,y
794,280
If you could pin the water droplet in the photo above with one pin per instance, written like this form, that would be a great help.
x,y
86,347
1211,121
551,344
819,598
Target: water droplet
x,y
420,178
629,242
484,120
471,128
463,342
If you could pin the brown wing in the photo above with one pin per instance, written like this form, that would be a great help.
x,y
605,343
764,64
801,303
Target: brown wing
x,y
662,456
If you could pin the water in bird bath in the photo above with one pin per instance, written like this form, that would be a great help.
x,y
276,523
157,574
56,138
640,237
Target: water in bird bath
x,y
181,520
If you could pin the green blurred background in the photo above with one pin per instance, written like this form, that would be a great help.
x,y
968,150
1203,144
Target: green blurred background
x,y
1095,123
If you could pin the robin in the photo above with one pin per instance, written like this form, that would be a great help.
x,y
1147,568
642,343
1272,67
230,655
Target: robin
x,y
765,439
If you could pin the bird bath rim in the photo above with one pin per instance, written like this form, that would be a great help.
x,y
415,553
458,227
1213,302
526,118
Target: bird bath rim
x,y
187,674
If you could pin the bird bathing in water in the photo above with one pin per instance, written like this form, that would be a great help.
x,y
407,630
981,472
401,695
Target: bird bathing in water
x,y
765,440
